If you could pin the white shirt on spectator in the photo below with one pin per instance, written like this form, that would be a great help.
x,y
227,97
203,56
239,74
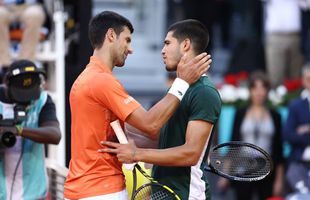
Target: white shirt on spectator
x,y
304,4
282,16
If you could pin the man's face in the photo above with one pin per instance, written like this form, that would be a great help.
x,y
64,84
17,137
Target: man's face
x,y
122,47
171,52
306,79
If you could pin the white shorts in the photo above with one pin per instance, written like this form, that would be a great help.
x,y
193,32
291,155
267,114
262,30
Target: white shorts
x,y
122,195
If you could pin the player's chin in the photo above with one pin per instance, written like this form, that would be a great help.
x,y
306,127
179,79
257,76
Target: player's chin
x,y
170,68
120,64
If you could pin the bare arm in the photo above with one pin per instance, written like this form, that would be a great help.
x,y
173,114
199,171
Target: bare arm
x,y
188,154
152,120
48,132
140,138
279,179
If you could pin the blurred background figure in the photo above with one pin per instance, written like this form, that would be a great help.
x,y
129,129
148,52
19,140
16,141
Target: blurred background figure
x,y
297,133
202,10
282,40
305,28
260,125
31,15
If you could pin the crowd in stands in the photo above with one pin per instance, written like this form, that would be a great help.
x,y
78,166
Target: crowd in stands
x,y
29,16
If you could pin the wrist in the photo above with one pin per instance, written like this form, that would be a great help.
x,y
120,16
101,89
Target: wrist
x,y
179,88
19,129
135,155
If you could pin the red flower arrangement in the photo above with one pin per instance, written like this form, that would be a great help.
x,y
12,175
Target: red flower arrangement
x,y
234,90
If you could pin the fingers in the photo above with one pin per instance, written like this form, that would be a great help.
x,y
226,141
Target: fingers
x,y
198,58
108,150
110,144
204,64
205,61
111,147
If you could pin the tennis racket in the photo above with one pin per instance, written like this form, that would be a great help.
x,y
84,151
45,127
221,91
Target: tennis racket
x,y
239,161
149,191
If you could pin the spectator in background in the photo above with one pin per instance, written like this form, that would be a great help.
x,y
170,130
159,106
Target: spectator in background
x,y
22,166
259,125
30,14
305,28
203,11
283,48
174,11
297,133
223,19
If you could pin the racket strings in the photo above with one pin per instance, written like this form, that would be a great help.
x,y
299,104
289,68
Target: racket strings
x,y
153,192
240,161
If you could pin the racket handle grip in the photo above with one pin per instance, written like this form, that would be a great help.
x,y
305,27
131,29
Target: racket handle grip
x,y
119,132
122,139
129,166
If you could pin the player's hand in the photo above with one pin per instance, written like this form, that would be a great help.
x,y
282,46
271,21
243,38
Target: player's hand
x,y
125,152
191,70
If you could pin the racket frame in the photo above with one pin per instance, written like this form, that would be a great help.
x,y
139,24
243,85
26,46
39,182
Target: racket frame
x,y
212,169
152,182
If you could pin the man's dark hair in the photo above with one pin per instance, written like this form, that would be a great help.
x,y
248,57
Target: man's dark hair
x,y
193,30
100,24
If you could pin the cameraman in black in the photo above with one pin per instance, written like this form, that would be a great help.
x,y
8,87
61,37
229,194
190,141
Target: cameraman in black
x,y
28,122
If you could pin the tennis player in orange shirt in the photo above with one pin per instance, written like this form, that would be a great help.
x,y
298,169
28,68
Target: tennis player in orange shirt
x,y
98,98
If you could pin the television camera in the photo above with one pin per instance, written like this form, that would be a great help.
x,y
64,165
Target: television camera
x,y
8,138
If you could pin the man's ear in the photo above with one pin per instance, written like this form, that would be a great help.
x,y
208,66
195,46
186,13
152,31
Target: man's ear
x,y
110,35
186,45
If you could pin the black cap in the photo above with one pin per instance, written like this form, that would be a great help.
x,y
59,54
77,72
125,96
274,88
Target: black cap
x,y
21,67
23,81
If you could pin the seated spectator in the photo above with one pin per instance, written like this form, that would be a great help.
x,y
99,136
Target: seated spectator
x,y
260,125
297,133
30,14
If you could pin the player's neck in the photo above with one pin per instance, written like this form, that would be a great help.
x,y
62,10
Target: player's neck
x,y
104,57
190,55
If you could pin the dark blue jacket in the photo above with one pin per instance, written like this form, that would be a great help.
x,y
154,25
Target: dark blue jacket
x,y
299,114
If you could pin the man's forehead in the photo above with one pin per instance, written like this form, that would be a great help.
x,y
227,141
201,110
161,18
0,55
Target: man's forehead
x,y
126,30
169,36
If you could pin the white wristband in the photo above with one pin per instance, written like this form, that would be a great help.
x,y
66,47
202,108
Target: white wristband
x,y
179,88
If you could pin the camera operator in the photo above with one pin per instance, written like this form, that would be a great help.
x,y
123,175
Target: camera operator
x,y
22,168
